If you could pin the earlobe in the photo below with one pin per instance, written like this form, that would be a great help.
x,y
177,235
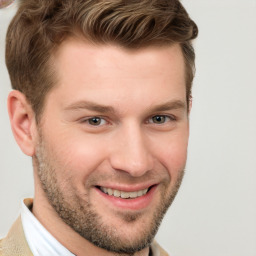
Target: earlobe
x,y
22,122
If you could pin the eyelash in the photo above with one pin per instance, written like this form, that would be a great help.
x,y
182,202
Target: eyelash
x,y
87,120
170,118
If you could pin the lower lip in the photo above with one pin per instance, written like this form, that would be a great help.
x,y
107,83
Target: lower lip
x,y
138,203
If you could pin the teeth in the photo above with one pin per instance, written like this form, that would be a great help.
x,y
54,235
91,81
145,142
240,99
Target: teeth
x,y
124,194
133,194
140,193
110,191
117,193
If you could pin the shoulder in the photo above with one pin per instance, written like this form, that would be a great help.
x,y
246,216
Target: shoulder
x,y
158,250
15,244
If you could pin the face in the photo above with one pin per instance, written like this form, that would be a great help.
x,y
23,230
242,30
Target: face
x,y
113,140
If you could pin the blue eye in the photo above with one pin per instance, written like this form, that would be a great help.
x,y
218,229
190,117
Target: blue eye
x,y
160,119
96,121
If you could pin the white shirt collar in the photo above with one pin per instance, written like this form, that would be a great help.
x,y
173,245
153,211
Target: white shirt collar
x,y
35,232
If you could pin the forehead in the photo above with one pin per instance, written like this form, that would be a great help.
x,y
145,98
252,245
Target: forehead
x,y
72,52
111,73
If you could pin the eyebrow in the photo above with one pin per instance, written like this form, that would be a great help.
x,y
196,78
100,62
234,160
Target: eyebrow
x,y
90,106
169,105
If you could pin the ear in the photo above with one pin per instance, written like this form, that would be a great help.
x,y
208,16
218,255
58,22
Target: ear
x,y
190,104
22,120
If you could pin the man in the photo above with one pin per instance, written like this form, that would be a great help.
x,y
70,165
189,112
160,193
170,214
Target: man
x,y
101,102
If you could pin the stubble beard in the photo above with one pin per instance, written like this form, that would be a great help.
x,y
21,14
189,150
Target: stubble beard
x,y
79,214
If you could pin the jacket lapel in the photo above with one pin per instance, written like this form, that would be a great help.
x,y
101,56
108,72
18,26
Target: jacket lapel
x,y
15,243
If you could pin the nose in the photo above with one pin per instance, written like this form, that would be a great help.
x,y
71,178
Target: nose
x,y
131,151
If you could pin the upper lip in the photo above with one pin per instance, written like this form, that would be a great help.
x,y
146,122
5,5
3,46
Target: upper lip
x,y
126,187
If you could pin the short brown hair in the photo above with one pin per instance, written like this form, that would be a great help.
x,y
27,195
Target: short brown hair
x,y
40,26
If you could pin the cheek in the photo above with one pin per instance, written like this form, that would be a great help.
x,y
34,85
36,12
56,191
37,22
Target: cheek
x,y
77,155
173,154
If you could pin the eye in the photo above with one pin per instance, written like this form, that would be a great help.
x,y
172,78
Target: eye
x,y
160,119
95,121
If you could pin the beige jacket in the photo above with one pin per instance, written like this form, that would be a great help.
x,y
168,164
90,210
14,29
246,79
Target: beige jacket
x,y
15,243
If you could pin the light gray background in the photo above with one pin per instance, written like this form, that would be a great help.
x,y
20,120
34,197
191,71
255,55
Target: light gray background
x,y
214,213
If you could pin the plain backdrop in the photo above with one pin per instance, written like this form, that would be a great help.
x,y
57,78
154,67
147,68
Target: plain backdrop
x,y
214,213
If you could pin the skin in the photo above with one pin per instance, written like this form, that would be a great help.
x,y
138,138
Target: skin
x,y
139,140
5,3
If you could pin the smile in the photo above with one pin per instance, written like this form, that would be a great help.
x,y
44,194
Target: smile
x,y
124,194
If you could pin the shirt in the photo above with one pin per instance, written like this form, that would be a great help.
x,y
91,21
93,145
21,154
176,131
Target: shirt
x,y
34,231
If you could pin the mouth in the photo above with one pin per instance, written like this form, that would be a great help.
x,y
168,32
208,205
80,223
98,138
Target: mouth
x,y
125,194
127,199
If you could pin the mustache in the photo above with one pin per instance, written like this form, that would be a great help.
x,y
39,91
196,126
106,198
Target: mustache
x,y
125,177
